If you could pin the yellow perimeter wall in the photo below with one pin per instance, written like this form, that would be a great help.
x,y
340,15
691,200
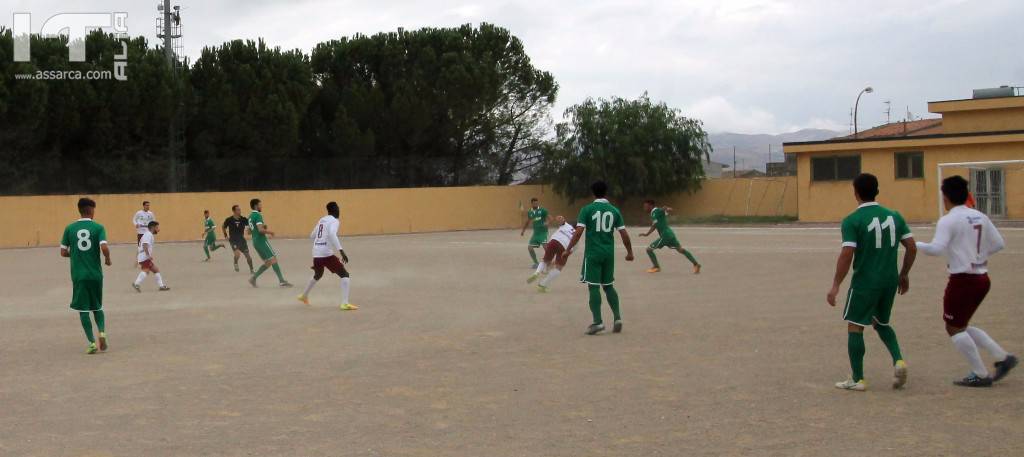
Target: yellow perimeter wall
x,y
39,220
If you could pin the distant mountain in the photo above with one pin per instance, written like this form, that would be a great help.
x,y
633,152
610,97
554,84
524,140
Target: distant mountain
x,y
752,149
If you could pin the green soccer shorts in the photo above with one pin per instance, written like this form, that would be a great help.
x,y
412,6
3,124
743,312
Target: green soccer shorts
x,y
264,250
669,241
598,270
211,238
539,238
865,306
87,295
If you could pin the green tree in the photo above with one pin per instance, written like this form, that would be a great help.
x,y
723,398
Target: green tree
x,y
641,148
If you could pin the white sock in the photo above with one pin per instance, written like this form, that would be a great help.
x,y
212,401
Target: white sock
x,y
965,344
309,287
982,339
159,280
344,290
540,267
140,278
550,277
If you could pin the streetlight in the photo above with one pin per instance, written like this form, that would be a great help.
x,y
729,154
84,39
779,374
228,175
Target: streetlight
x,y
857,105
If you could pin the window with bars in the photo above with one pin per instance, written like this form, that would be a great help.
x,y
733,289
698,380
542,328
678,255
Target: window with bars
x,y
909,165
835,168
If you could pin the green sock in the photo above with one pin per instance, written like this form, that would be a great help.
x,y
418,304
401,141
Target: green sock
x,y
260,271
855,347
613,301
86,325
533,255
249,261
888,336
689,256
277,271
206,250
595,303
654,258
101,320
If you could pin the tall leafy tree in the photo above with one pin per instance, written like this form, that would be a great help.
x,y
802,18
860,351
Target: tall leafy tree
x,y
640,147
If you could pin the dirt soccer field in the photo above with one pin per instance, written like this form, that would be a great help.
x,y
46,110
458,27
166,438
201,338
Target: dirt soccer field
x,y
452,353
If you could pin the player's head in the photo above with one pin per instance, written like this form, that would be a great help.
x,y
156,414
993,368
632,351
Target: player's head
x,y
600,189
206,212
954,189
145,205
534,202
648,204
865,185
236,210
86,207
154,227
333,210
256,204
560,220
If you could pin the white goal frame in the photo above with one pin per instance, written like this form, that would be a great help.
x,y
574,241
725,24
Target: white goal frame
x,y
969,165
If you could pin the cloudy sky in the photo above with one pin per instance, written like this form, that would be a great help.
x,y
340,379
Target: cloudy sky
x,y
747,66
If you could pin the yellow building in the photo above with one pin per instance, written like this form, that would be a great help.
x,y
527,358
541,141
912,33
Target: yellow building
x,y
905,156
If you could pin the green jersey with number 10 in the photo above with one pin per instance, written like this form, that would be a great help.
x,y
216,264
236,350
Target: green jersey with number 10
x,y
875,232
601,220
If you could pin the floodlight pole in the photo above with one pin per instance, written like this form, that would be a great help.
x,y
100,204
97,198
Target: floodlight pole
x,y
856,106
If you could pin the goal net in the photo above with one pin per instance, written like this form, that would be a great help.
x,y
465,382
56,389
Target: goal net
x,y
988,184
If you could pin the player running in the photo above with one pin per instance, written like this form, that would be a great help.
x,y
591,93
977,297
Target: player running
x,y
555,254
260,232
145,259
234,229
83,241
209,235
539,217
325,242
141,220
967,238
600,220
666,237
871,238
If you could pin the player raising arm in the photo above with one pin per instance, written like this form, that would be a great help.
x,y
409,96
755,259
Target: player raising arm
x,y
599,220
870,236
966,237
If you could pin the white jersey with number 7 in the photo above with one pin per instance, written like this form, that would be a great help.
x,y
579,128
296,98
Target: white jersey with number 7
x,y
967,238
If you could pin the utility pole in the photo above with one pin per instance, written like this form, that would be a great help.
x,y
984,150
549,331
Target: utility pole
x,y
888,111
734,161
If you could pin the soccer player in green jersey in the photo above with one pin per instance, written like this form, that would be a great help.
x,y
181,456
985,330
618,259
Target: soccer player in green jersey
x,y
600,220
260,232
83,241
539,218
871,238
666,237
209,235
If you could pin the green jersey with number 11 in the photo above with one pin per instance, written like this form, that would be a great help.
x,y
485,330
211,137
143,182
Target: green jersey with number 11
x,y
601,220
875,232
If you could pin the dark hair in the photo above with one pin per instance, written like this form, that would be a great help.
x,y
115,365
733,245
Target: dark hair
x,y
332,209
145,202
84,203
866,186
955,189
649,202
534,199
206,211
253,203
234,207
599,188
152,224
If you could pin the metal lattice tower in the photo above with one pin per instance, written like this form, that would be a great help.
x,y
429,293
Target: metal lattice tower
x,y
168,29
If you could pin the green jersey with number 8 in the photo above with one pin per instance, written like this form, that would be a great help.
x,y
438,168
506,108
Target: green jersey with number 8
x,y
82,239
875,232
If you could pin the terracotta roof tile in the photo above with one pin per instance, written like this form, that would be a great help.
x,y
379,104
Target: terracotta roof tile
x,y
897,129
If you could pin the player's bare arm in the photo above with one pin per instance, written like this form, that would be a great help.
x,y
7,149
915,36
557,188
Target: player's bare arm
x,y
842,269
525,225
344,257
576,237
627,243
649,232
106,253
908,263
64,252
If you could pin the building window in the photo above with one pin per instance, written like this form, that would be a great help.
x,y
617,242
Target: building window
x,y
909,165
835,168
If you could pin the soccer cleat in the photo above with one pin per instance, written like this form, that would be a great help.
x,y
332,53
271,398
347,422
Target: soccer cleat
x,y
696,269
654,270
973,380
899,375
285,284
137,288
542,289
850,384
617,326
206,260
236,268
252,281
103,341
594,329
535,266
91,349
304,299
532,278
164,288
349,307
1003,368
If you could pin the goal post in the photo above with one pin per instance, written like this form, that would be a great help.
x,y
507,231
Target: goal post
x,y
1017,164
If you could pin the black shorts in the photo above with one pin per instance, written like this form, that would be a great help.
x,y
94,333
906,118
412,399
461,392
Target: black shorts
x,y
239,245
